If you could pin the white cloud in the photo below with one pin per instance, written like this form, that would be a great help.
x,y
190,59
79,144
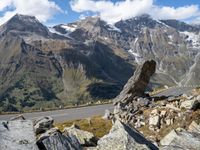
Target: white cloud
x,y
43,10
180,13
115,11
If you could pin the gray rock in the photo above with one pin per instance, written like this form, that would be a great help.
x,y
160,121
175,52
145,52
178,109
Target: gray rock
x,y
143,101
182,139
137,84
57,141
194,127
123,137
85,138
43,124
17,135
190,104
154,121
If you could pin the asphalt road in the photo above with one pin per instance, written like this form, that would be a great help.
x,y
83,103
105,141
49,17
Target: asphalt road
x,y
66,114
174,91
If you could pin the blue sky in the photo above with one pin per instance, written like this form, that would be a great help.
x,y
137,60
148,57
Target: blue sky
x,y
53,12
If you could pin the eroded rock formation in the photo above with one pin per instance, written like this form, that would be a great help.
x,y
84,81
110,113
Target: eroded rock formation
x,y
137,84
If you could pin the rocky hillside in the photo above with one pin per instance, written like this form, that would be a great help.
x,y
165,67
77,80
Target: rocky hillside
x,y
90,60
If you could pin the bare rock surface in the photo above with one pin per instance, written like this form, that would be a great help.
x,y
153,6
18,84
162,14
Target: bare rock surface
x,y
42,124
194,127
17,135
55,140
182,139
123,137
137,84
132,98
85,138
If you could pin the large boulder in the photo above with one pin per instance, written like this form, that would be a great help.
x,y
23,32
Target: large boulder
x,y
138,83
123,137
17,135
85,138
43,124
53,139
182,139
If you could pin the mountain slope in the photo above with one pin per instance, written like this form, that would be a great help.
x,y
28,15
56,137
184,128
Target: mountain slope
x,y
90,60
50,71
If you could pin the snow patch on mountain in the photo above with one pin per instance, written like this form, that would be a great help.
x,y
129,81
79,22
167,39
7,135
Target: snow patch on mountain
x,y
192,38
137,56
113,28
52,30
68,28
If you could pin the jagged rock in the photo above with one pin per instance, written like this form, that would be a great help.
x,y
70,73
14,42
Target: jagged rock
x,y
123,137
17,135
84,137
19,117
43,124
143,101
55,140
171,106
137,84
163,113
155,112
194,127
169,121
190,104
154,121
185,140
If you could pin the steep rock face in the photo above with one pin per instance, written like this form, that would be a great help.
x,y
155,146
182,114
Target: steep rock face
x,y
137,84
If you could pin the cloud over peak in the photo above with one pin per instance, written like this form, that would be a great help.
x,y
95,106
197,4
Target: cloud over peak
x,y
125,9
43,10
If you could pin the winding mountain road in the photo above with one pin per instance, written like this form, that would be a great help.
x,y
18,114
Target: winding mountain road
x,y
66,114
174,91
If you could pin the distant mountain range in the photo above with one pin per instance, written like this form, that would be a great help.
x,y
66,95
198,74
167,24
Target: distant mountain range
x,y
90,60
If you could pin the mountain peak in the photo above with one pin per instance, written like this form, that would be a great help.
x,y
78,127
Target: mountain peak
x,y
24,18
24,24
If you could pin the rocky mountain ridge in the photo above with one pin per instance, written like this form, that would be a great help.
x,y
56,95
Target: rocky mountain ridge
x,y
89,59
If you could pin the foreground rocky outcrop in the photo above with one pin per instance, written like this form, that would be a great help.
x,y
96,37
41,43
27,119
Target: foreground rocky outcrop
x,y
182,139
133,97
17,134
85,138
53,139
123,137
43,124
137,84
